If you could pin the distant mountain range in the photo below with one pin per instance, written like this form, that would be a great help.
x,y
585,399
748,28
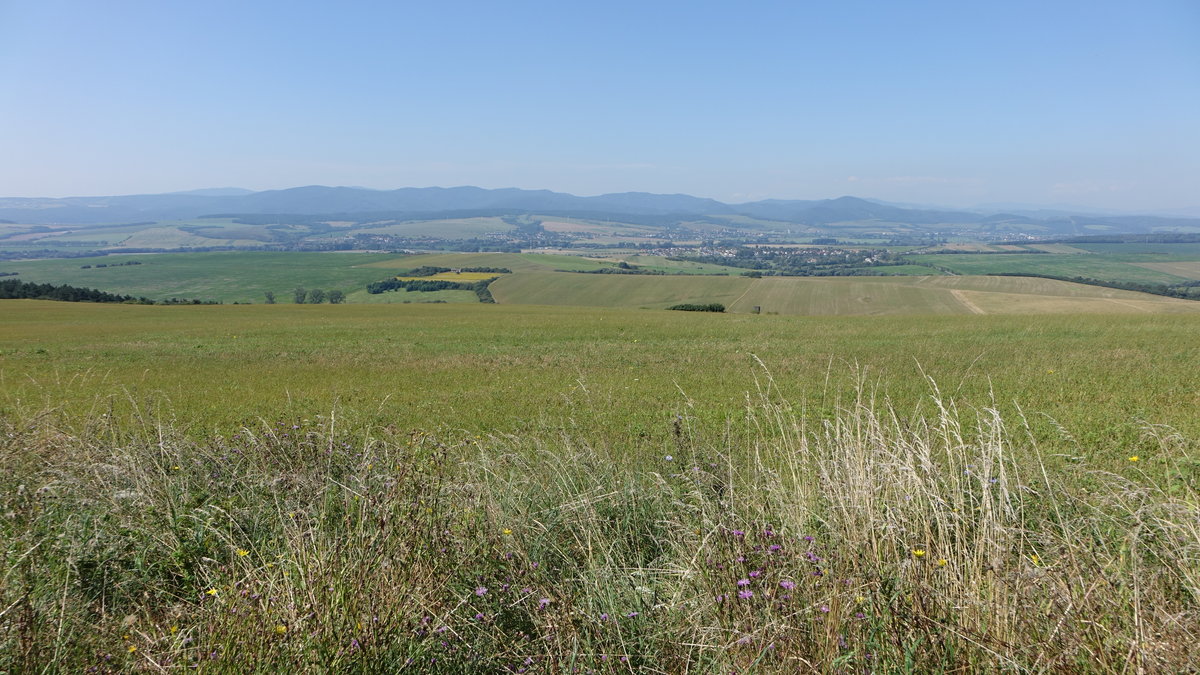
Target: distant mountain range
x,y
320,200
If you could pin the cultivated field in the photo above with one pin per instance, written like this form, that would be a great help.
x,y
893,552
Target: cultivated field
x,y
836,295
478,488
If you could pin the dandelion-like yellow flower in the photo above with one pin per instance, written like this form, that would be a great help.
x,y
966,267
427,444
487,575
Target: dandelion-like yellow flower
x,y
242,553
507,531
132,648
174,630
860,599
1033,558
211,591
918,552
176,467
281,629
942,562
1134,458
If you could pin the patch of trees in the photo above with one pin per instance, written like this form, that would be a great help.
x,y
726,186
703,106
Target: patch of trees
x,y
311,296
12,289
691,307
9,274
480,287
428,270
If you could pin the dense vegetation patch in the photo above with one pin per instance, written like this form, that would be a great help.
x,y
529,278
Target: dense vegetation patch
x,y
13,289
690,307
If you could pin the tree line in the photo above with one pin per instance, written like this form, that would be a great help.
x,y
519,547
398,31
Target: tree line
x,y
310,296
13,289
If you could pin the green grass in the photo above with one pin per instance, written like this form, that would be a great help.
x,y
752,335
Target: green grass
x,y
1104,267
900,295
615,372
483,488
239,276
616,290
517,262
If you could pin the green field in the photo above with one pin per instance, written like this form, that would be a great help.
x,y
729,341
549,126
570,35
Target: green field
x,y
485,488
834,295
470,366
240,276
1144,263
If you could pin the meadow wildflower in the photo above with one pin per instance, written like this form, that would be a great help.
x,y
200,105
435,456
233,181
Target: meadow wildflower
x,y
746,595
787,585
942,562
212,592
481,591
242,553
743,582
1134,458
918,553
281,629
132,648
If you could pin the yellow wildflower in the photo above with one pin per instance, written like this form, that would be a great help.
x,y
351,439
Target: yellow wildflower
x,y
942,562
242,553
1134,458
507,531
281,629
211,591
918,552
132,648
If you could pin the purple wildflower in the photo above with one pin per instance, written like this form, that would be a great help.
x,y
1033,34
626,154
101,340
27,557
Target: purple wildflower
x,y
743,582
481,591
745,595
787,584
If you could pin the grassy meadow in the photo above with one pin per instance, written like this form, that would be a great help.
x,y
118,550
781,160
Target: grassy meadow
x,y
505,488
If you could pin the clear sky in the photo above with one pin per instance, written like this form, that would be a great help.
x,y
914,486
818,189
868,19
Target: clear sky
x,y
1093,103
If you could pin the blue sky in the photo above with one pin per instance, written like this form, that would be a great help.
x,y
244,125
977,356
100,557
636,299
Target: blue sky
x,y
960,103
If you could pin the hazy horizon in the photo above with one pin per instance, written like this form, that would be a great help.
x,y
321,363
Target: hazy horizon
x,y
1082,104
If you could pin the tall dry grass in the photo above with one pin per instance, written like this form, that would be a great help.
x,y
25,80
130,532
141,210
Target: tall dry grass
x,y
874,541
